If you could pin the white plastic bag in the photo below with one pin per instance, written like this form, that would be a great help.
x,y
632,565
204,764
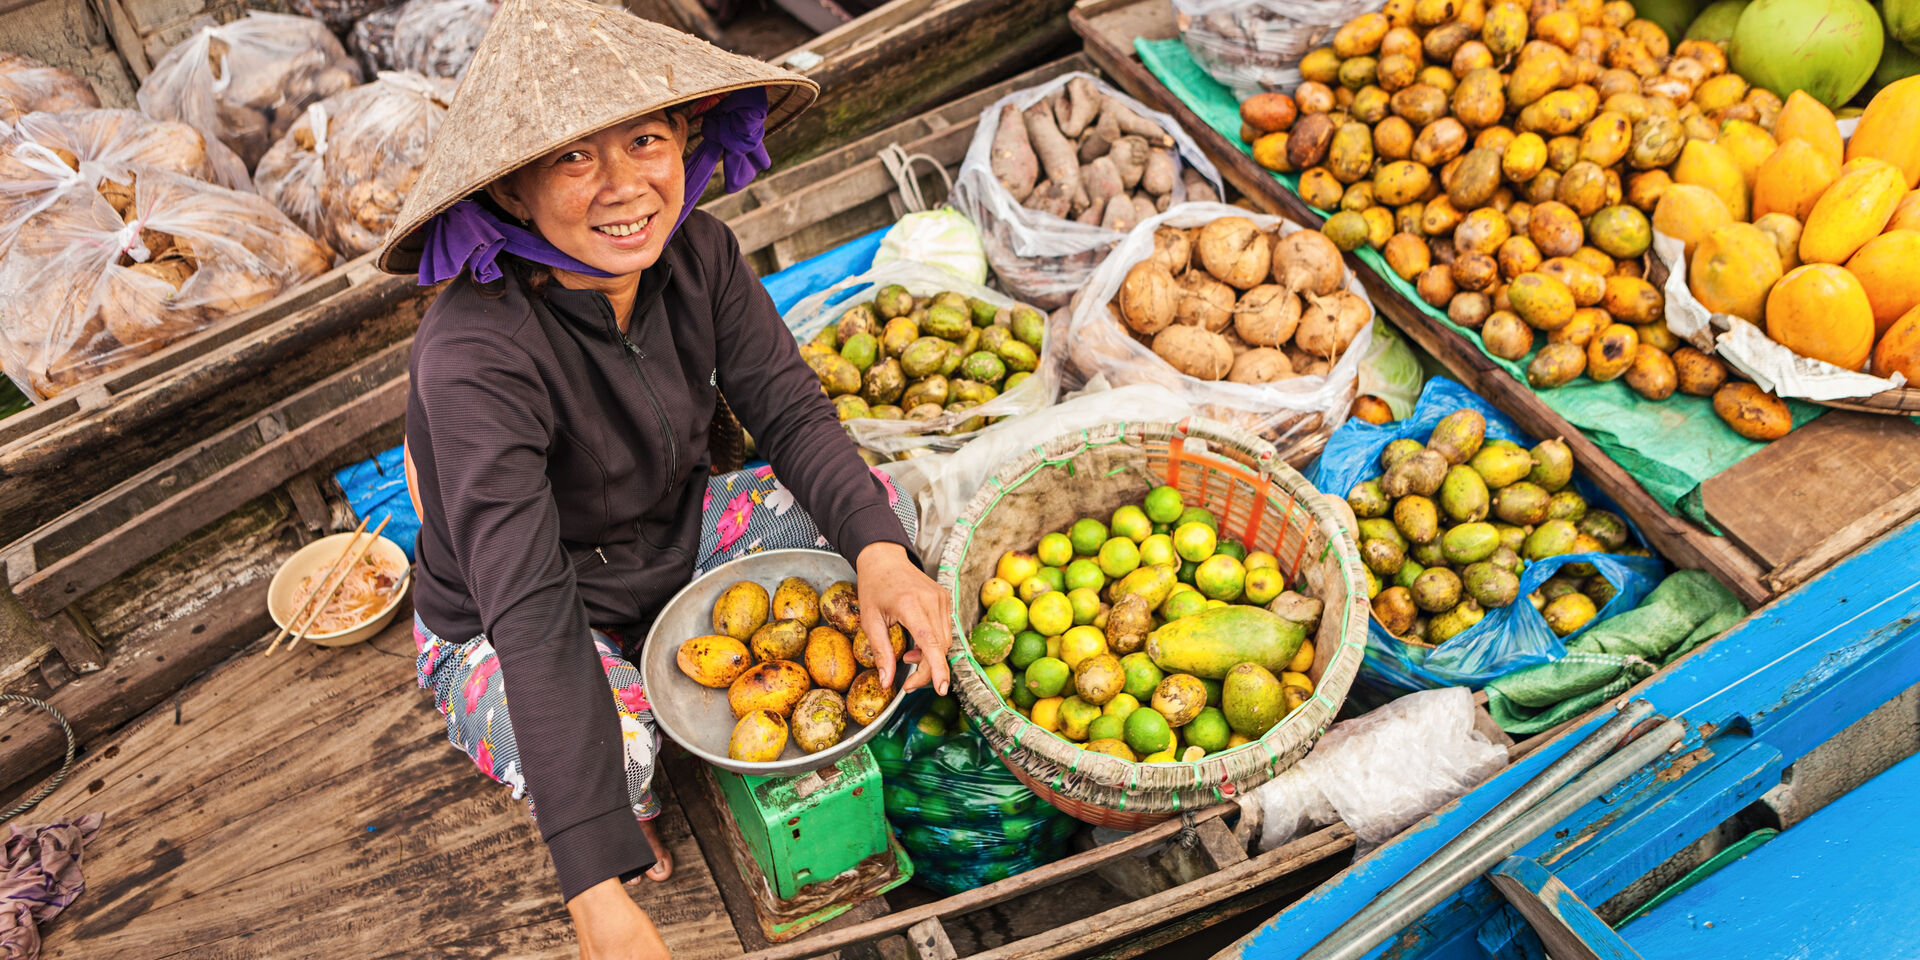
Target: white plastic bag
x,y
438,37
811,315
245,83
27,85
1255,45
1040,258
371,40
1379,772
1295,415
343,170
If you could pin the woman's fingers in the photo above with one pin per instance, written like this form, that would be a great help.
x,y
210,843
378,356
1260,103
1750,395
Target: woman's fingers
x,y
873,623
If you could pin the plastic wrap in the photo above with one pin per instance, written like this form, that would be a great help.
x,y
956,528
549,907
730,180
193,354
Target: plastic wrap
x,y
1391,371
28,86
1255,45
343,170
964,819
1295,415
1379,772
438,37
338,15
247,82
942,237
101,277
371,40
1041,258
811,315
1508,638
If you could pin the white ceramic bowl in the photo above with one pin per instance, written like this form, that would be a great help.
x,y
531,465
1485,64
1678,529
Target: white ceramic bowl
x,y
316,557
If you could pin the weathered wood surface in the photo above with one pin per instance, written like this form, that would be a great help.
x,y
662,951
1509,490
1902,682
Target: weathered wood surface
x,y
1680,541
309,806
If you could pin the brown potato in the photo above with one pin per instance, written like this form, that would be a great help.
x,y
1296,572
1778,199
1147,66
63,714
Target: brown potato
x,y
1751,412
1435,285
1407,255
1506,335
1652,373
1699,374
1469,309
1556,364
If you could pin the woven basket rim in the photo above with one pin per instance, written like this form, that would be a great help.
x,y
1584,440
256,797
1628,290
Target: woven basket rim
x,y
1131,787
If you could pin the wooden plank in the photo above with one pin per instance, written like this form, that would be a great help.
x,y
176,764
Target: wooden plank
x,y
125,38
927,940
1879,520
74,639
1812,482
1218,845
1566,925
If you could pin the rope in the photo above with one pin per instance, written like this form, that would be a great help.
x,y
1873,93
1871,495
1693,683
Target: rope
x,y
899,164
66,763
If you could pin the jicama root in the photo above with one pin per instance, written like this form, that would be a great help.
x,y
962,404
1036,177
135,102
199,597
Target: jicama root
x,y
1084,100
1198,189
1129,122
1129,156
1012,160
1158,176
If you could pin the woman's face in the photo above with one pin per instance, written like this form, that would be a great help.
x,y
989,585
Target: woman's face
x,y
609,199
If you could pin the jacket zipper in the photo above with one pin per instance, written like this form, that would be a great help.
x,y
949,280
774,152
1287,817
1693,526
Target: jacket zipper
x,y
666,428
603,557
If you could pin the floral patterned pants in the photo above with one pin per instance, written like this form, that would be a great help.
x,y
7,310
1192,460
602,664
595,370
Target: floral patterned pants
x,y
744,512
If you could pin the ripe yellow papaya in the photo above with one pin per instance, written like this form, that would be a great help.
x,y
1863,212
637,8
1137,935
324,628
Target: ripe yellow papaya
x,y
1707,164
1804,118
1886,268
1791,179
1733,269
1851,211
1888,130
1820,311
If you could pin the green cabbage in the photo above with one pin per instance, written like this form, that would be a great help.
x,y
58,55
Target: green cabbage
x,y
942,237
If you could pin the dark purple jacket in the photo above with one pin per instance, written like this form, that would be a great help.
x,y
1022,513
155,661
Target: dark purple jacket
x,y
561,469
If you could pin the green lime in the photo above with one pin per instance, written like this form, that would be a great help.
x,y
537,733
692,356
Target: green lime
x,y
946,708
1121,705
1143,676
1147,731
1183,603
1084,574
1051,614
1160,528
1033,587
1086,605
1009,612
1055,550
1220,577
1075,715
1054,577
1087,535
1131,522
1023,696
991,642
1119,557
1232,548
1163,504
1047,676
1001,676
1209,730
1106,727
1214,691
1194,541
1157,550
1028,646
1198,515
1187,567
1263,584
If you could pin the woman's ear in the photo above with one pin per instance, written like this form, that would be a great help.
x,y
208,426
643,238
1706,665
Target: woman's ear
x,y
503,193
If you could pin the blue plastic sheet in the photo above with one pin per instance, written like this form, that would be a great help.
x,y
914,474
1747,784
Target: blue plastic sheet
x,y
816,273
1508,638
376,488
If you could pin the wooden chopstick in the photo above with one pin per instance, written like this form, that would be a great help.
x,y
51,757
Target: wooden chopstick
x,y
375,538
332,569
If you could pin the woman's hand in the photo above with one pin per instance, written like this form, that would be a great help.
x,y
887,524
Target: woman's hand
x,y
894,590
610,926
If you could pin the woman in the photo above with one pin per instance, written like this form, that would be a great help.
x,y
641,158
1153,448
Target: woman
x,y
563,386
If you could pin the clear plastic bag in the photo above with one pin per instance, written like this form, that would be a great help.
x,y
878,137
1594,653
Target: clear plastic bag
x,y
1041,258
29,86
106,275
1255,45
963,818
343,170
811,315
338,15
1379,772
245,83
1296,415
438,37
371,40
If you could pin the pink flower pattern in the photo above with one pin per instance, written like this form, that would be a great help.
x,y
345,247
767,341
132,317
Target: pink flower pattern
x,y
633,697
483,757
733,520
477,681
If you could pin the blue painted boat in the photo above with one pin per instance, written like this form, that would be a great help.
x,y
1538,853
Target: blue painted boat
x,y
1786,680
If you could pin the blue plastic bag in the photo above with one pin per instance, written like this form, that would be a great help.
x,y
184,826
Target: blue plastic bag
x,y
377,487
816,273
1507,638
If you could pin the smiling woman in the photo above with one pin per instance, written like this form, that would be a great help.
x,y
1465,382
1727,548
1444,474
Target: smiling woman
x,y
561,394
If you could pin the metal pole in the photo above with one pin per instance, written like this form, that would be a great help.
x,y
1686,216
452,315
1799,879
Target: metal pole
x,y
1399,906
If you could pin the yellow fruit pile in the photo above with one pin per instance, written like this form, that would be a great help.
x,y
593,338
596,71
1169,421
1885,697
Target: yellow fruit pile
x,y
783,668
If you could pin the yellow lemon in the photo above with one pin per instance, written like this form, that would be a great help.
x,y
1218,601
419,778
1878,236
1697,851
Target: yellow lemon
x,y
1080,643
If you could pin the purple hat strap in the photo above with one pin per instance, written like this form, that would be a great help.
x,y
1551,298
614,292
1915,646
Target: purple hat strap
x,y
467,236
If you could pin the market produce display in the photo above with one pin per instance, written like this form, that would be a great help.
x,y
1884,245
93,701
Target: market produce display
x,y
28,86
901,357
1146,636
793,663
1448,526
1250,45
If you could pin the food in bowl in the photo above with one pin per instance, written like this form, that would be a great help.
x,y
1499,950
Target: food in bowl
x,y
368,586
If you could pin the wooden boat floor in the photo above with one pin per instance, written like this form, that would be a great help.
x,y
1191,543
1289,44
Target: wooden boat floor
x,y
309,805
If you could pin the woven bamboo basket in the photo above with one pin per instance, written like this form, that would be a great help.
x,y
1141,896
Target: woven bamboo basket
x,y
1259,500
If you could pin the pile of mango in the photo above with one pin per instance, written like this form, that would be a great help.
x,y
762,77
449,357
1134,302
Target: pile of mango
x,y
901,357
785,669
1147,637
1505,157
1813,238
1449,526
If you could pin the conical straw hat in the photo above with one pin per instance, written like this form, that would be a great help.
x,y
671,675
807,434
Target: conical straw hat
x,y
549,72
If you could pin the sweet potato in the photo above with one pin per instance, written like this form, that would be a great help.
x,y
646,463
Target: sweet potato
x,y
1012,160
1261,365
1093,214
1093,144
1198,189
1120,215
1083,100
1158,176
1055,153
1129,156
1131,122
1049,198
1102,180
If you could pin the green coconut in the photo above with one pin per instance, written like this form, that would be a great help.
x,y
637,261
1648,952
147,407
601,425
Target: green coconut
x,y
1829,48
1671,15
1903,25
1717,20
1896,61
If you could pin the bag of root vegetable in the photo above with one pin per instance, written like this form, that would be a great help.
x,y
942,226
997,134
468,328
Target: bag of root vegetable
x,y
1057,174
1254,320
245,83
1256,45
934,356
106,275
371,39
27,85
438,37
343,170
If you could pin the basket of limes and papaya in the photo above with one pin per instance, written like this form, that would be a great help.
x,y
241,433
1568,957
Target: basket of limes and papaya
x,y
1154,617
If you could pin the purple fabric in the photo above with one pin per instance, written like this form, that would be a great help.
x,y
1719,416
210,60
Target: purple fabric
x,y
469,237
42,878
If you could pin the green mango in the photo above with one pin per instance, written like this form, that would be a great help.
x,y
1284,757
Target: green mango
x,y
1463,495
1470,543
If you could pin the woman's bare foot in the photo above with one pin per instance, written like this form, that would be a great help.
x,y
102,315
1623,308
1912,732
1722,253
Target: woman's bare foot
x,y
662,869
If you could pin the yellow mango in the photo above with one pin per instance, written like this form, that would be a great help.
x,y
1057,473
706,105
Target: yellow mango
x,y
1820,311
1733,269
1706,164
1889,129
1804,118
1749,144
1852,211
1899,350
1888,268
1791,179
1690,214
